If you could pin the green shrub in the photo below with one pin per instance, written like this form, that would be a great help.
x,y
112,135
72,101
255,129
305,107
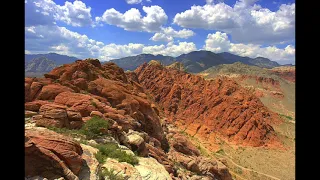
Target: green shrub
x,y
221,151
285,116
113,151
93,127
100,157
66,131
110,174
93,103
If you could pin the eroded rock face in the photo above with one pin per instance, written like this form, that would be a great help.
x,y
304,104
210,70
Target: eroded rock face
x,y
56,115
51,155
50,91
35,105
202,107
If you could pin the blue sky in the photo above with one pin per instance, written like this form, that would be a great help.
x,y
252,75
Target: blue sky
x,y
119,28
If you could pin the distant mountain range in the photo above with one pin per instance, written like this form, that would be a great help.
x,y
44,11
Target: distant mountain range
x,y
38,64
58,59
195,61
132,62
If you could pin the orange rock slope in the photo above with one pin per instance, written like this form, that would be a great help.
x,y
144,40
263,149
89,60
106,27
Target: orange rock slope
x,y
207,108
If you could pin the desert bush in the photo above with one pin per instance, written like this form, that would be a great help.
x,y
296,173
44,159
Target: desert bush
x,y
221,151
110,175
100,157
94,127
113,151
93,103
65,131
285,116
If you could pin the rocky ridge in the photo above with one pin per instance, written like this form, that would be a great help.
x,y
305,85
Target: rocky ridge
x,y
207,108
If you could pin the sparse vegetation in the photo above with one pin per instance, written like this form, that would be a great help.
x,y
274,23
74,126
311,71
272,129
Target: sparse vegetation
x,y
110,175
203,151
221,151
285,116
91,129
238,170
94,127
113,151
100,157
65,131
93,103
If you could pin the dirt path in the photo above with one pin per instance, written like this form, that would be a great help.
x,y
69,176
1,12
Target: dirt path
x,y
248,168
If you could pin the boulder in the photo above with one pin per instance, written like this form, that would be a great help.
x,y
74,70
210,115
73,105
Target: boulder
x,y
96,113
35,105
74,115
149,168
52,115
90,168
28,114
137,143
82,103
50,91
183,145
123,169
57,115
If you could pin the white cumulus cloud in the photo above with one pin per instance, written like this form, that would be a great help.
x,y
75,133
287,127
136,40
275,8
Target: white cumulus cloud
x,y
219,42
133,1
75,14
132,19
63,41
167,34
246,21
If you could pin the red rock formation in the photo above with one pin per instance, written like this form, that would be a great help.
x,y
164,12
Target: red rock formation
x,y
35,105
51,155
203,107
86,86
60,116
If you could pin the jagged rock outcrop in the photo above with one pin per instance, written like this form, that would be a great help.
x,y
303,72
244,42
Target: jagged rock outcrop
x,y
56,115
205,107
